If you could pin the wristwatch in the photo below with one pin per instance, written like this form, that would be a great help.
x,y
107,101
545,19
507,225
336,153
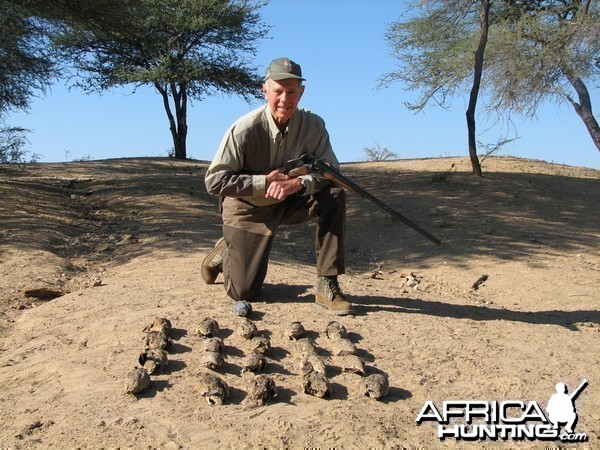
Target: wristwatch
x,y
304,182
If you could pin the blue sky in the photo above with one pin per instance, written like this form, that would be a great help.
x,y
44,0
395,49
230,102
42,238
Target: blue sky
x,y
341,47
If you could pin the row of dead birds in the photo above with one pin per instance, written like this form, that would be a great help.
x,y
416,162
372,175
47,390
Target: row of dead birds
x,y
154,358
261,388
314,372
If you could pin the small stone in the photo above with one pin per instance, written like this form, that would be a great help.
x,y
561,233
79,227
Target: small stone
x,y
242,308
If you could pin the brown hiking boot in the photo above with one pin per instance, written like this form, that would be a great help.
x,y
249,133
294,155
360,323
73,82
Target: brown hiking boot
x,y
212,264
330,296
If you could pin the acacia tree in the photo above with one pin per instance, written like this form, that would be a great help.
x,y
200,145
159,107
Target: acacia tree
x,y
518,53
439,50
28,62
484,18
26,66
26,69
547,50
185,49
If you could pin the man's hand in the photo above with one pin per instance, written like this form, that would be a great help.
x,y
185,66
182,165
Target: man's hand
x,y
280,186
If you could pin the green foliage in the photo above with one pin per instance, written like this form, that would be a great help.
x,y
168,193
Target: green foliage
x,y
434,50
26,66
202,45
186,49
536,54
28,60
533,49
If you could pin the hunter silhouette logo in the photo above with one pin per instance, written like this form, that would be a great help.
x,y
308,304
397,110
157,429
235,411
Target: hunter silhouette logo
x,y
561,406
509,419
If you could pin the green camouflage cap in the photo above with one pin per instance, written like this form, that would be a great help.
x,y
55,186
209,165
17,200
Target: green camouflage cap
x,y
283,68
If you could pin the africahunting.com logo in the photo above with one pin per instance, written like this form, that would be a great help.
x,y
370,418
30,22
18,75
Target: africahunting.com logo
x,y
509,419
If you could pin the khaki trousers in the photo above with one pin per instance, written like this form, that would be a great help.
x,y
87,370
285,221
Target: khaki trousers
x,y
249,231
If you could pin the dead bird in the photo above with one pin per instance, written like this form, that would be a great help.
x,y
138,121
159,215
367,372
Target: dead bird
x,y
213,389
336,330
315,362
255,362
353,364
342,346
137,381
156,339
315,383
212,360
213,344
207,328
376,386
247,329
295,331
260,344
261,389
154,360
160,324
305,346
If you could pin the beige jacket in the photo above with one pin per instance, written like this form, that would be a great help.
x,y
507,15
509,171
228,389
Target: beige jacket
x,y
253,146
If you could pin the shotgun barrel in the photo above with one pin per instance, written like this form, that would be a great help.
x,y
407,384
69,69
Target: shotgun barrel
x,y
307,164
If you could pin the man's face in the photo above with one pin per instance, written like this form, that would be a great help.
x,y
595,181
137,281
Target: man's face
x,y
283,97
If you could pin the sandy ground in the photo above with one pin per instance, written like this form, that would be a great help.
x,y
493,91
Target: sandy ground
x,y
121,241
